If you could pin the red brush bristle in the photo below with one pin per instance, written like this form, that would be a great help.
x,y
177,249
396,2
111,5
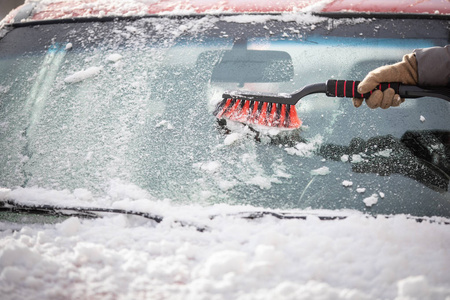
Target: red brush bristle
x,y
272,115
294,121
262,119
243,116
230,113
255,112
282,119
221,112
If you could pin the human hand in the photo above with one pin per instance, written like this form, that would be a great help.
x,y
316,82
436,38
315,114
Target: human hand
x,y
404,72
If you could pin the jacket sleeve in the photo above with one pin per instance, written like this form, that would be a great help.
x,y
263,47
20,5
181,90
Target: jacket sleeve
x,y
433,66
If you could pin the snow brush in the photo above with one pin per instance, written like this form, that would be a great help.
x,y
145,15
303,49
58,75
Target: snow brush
x,y
278,110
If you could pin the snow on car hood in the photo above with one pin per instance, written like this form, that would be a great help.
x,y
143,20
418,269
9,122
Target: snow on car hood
x,y
119,257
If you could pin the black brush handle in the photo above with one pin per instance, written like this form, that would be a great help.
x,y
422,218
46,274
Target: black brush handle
x,y
349,88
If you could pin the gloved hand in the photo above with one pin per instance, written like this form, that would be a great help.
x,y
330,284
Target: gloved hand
x,y
404,72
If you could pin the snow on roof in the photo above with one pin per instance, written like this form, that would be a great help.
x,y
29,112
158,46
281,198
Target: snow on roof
x,y
59,9
388,6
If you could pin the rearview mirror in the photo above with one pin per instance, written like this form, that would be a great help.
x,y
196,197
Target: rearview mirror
x,y
242,65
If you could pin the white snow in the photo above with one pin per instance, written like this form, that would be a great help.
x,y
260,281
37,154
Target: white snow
x,y
124,257
261,181
233,138
280,169
87,8
305,149
308,19
321,171
347,183
210,166
384,153
361,190
83,75
417,287
115,57
356,158
164,123
226,185
83,194
371,200
301,149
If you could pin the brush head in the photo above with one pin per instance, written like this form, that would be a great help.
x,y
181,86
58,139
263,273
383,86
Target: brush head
x,y
265,110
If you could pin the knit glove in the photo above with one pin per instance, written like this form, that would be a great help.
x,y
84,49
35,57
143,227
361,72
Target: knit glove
x,y
404,72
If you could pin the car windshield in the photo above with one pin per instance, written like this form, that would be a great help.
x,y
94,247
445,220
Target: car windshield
x,y
87,104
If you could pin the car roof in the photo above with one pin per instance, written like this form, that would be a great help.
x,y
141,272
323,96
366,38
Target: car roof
x,y
35,10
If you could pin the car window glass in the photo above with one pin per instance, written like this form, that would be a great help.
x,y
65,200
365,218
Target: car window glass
x,y
130,101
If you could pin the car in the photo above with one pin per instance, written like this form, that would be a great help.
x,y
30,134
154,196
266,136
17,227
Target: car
x,y
119,180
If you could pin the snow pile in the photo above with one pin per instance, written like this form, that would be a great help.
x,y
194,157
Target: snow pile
x,y
356,158
286,17
130,257
361,190
211,166
321,171
306,149
53,9
372,200
347,183
83,75
57,9
232,138
115,57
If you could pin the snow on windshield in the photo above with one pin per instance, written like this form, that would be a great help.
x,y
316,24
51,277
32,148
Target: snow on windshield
x,y
134,101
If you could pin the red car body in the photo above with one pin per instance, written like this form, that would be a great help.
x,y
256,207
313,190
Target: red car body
x,y
99,8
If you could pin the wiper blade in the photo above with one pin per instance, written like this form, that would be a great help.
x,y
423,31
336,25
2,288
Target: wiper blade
x,y
252,215
284,216
82,212
93,212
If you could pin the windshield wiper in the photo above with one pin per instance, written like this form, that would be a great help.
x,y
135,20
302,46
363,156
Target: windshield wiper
x,y
304,216
281,215
93,212
81,212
